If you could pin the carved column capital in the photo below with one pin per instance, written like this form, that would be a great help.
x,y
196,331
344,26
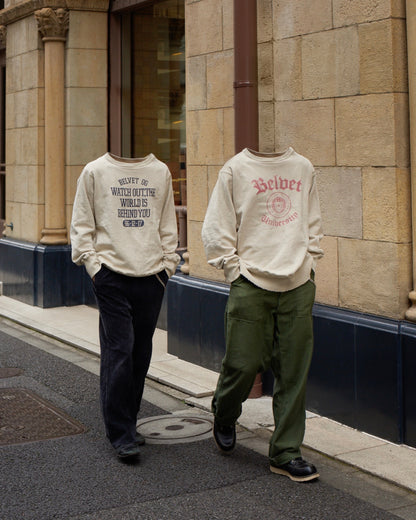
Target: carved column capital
x,y
53,24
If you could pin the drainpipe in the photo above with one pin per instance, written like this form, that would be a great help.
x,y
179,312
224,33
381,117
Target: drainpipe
x,y
245,75
246,110
411,63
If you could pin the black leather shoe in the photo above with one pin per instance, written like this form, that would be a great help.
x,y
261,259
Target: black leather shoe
x,y
224,437
140,440
131,451
298,470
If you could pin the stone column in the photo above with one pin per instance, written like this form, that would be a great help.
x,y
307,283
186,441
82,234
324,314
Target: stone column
x,y
53,25
411,52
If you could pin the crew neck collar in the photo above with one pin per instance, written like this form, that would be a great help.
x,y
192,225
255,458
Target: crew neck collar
x,y
129,163
268,157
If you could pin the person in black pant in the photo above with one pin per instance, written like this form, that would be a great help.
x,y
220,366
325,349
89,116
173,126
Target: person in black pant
x,y
126,349
124,232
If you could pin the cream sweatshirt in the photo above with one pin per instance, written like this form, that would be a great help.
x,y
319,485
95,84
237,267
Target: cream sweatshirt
x,y
124,217
263,220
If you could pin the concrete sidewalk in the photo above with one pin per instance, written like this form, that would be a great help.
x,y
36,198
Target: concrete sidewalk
x,y
78,327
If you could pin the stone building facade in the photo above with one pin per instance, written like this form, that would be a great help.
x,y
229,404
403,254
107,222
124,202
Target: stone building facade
x,y
86,76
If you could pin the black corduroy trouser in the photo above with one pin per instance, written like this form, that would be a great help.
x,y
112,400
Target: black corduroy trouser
x,y
129,308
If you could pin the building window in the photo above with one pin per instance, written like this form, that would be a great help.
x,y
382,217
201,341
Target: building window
x,y
147,91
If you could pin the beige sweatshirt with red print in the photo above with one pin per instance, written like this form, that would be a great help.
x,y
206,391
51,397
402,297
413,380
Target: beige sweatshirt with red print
x,y
263,220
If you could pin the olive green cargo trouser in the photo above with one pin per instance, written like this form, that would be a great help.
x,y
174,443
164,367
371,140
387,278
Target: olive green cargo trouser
x,y
268,329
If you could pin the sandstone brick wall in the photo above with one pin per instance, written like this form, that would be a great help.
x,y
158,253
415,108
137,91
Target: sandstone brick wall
x,y
86,116
25,130
85,112
332,84
210,114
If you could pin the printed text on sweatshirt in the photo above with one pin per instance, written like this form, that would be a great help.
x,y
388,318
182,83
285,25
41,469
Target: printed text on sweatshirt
x,y
124,217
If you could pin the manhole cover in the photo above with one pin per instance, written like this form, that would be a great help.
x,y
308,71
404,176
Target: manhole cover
x,y
26,417
10,372
174,429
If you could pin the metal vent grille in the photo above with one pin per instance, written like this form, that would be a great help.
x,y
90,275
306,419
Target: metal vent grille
x,y
26,417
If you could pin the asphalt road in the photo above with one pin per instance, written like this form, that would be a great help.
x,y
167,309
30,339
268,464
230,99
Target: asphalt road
x,y
77,477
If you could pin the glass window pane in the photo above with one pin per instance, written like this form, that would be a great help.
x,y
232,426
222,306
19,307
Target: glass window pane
x,y
158,87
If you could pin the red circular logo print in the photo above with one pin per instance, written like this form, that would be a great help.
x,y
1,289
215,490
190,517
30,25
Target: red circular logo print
x,y
279,204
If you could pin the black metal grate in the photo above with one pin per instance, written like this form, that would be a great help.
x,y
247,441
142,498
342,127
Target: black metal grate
x,y
26,417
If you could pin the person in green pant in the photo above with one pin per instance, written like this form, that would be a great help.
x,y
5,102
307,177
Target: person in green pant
x,y
263,228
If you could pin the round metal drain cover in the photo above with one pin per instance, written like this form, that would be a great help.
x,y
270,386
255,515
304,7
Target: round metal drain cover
x,y
10,372
174,429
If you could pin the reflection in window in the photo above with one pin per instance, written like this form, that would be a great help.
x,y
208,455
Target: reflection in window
x,y
158,87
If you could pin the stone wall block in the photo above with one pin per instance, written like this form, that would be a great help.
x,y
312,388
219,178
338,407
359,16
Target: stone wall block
x,y
205,134
27,220
330,64
307,126
32,218
204,34
22,37
86,68
12,139
197,191
383,66
340,195
14,74
229,131
13,212
266,127
365,130
10,183
10,111
80,35
386,204
32,74
288,69
28,184
400,69
26,108
296,18
213,172
350,12
196,83
264,21
398,8
228,24
31,146
20,184
86,107
72,174
327,273
220,77
84,144
265,71
374,277
401,128
35,184
197,260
